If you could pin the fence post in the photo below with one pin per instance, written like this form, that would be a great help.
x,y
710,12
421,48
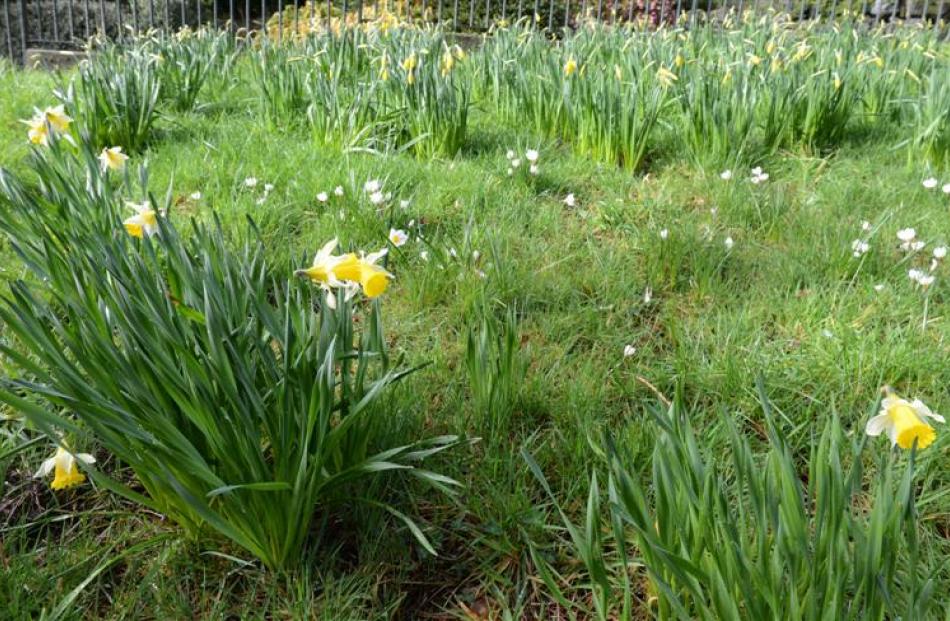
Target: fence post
x,y
22,19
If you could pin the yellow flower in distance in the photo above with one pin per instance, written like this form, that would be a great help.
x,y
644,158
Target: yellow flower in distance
x,y
666,77
144,222
448,61
904,421
570,67
363,270
409,65
63,466
112,158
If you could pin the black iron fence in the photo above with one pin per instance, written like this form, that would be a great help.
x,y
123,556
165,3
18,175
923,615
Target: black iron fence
x,y
68,24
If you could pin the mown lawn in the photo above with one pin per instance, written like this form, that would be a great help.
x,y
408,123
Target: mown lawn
x,y
709,281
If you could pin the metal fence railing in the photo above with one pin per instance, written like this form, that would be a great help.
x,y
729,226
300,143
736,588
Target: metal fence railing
x,y
67,24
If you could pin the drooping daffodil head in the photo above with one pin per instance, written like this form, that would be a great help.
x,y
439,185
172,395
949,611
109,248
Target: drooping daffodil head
x,y
63,466
144,222
112,159
904,422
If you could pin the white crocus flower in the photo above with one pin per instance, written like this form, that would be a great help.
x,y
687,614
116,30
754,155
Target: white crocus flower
x,y
729,242
338,190
664,234
322,197
629,350
946,188
725,175
250,182
930,183
372,186
569,200
398,237
377,198
531,155
940,252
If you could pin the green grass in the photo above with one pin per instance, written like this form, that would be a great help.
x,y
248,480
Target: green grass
x,y
787,300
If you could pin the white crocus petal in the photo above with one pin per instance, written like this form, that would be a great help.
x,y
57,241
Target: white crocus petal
x,y
878,424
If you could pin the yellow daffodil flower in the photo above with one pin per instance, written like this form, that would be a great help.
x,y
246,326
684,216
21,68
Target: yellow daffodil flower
x,y
754,60
144,222
409,65
324,262
321,272
363,270
678,61
45,122
112,158
63,466
448,61
904,421
384,68
570,67
666,77
38,132
57,118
